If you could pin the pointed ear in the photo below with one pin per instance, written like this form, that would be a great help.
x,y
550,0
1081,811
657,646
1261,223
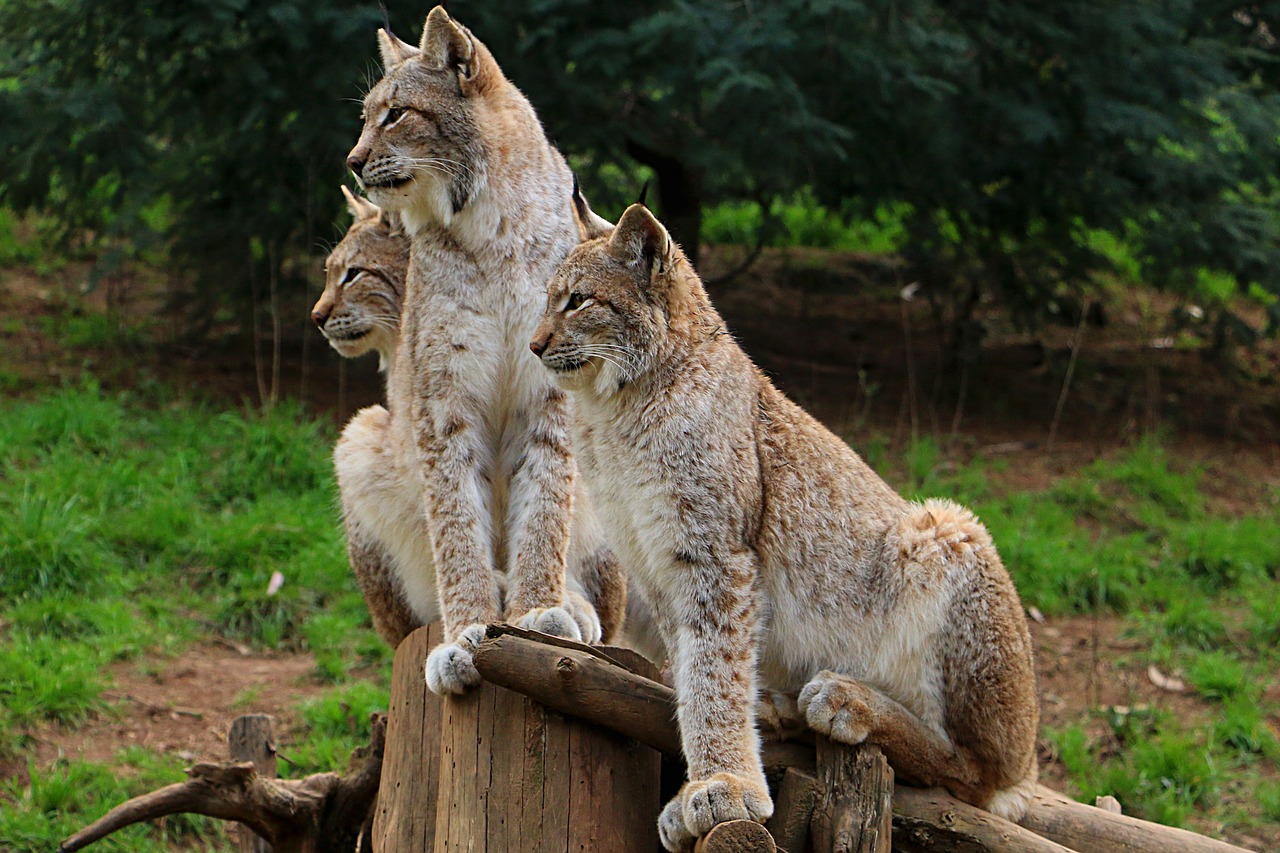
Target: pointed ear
x,y
393,50
640,239
590,226
361,208
446,44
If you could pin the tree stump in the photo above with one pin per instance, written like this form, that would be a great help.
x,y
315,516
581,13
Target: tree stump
x,y
854,814
496,771
405,816
250,739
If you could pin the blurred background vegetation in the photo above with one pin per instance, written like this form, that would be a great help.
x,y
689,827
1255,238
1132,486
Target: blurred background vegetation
x,y
1026,256
1014,150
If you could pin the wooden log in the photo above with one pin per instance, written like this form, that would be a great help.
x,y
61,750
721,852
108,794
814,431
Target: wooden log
x,y
932,821
854,813
585,682
793,807
1084,827
251,739
577,680
736,836
405,815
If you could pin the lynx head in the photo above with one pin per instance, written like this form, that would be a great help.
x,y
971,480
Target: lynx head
x,y
614,303
359,310
421,144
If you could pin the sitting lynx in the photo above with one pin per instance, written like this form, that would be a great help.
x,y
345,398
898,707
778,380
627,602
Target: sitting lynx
x,y
450,143
387,540
773,557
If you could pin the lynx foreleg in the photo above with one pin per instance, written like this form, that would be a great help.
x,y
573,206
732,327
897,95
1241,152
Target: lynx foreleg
x,y
538,517
714,662
455,506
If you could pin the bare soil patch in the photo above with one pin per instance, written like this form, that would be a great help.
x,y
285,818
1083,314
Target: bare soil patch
x,y
182,706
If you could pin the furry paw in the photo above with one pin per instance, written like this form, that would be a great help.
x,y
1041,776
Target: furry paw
x,y
556,621
450,667
778,714
838,707
703,803
585,617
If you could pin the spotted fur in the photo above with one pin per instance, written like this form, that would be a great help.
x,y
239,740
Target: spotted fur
x,y
388,543
773,557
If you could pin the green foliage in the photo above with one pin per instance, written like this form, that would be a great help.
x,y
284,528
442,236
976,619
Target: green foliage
x,y
1161,772
216,125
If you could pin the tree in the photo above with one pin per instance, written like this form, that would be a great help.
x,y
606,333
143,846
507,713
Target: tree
x,y
1011,131
217,124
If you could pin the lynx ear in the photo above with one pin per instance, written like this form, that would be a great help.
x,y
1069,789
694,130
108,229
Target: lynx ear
x,y
361,208
640,239
393,50
446,44
590,226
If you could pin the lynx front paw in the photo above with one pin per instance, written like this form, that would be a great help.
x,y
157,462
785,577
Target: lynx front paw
x,y
556,621
703,803
450,667
838,707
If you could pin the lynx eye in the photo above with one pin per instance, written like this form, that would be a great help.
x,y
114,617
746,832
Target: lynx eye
x,y
576,301
393,115
352,274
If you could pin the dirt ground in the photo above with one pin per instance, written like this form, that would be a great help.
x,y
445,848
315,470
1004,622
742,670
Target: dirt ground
x,y
835,334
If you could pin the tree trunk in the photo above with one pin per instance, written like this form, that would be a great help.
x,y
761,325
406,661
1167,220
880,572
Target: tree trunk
x,y
679,196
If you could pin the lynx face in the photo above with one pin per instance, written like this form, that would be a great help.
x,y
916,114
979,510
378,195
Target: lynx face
x,y
359,310
420,143
609,304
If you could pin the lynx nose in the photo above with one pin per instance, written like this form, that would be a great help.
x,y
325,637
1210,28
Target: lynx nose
x,y
355,164
539,345
319,316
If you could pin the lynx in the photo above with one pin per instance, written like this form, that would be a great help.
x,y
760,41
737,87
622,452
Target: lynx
x,y
388,544
458,151
773,557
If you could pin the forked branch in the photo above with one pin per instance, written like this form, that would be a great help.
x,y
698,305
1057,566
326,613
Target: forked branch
x,y
320,813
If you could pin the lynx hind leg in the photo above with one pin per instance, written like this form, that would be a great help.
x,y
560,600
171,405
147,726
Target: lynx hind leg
x,y
392,617
596,581
451,667
356,462
992,712
779,713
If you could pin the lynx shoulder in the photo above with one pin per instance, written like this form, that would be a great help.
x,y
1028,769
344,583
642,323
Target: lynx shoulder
x,y
773,557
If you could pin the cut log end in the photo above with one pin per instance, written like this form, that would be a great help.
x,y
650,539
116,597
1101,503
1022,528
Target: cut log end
x,y
736,836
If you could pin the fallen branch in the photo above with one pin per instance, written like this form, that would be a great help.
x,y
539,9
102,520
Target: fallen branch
x,y
322,813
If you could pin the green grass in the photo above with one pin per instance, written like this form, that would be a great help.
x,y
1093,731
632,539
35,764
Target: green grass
x,y
132,525
135,524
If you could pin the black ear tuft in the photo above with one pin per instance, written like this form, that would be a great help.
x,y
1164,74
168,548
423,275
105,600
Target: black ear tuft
x,y
386,17
644,194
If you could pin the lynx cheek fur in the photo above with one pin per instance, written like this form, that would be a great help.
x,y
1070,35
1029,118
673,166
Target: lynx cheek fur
x,y
773,557
388,544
